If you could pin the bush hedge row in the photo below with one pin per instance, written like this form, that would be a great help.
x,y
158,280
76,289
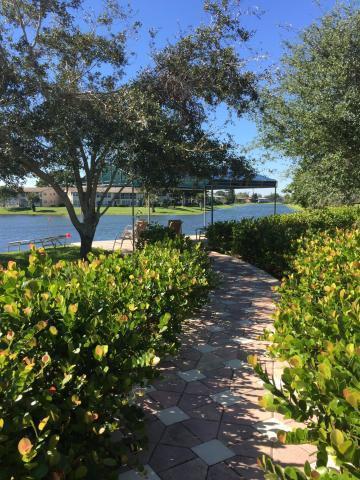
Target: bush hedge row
x,y
76,338
317,334
155,233
270,242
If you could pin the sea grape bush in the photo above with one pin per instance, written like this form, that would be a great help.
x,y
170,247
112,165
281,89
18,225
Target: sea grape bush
x,y
154,233
270,242
317,335
75,339
220,236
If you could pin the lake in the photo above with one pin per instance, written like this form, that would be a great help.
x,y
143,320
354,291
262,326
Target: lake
x,y
27,227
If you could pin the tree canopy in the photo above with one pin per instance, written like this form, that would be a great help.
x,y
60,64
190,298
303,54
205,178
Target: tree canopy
x,y
311,110
67,107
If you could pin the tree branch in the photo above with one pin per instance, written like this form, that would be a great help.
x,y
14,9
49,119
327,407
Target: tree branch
x,y
112,202
34,168
112,178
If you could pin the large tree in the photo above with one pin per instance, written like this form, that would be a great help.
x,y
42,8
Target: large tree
x,y
311,111
66,105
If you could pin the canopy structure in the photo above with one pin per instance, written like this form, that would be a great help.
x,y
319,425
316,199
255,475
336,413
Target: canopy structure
x,y
219,182
226,182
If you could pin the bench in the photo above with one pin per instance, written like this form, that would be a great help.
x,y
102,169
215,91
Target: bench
x,y
54,241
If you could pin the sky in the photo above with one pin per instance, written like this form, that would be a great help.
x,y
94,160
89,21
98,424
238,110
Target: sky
x,y
278,21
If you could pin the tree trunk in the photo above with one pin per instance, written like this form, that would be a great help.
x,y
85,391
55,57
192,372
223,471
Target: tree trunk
x,y
87,231
86,242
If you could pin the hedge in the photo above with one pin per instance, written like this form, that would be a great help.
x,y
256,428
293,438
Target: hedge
x,y
270,242
317,334
76,338
155,233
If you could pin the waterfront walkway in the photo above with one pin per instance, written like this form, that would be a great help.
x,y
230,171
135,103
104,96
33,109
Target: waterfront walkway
x,y
203,418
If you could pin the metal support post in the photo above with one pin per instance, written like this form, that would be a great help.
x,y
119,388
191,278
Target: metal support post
x,y
275,200
212,205
133,214
204,207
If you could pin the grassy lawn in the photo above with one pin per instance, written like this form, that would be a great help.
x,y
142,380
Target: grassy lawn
x,y
60,253
61,211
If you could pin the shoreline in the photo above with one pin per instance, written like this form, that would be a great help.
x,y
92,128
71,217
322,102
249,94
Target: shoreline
x,y
126,211
116,211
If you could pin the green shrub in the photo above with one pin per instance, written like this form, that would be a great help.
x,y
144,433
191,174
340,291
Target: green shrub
x,y
317,334
154,233
220,236
75,339
270,242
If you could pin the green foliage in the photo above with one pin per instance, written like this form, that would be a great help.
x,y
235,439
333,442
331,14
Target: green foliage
x,y
220,236
276,472
270,242
317,336
55,254
8,192
76,338
311,111
64,95
154,233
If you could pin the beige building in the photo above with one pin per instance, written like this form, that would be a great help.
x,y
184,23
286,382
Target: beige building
x,y
47,197
43,196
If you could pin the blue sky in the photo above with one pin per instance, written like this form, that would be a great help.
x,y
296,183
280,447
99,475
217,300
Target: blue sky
x,y
280,20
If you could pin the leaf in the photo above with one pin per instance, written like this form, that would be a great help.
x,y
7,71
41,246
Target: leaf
x,y
43,423
307,468
100,351
337,437
325,370
352,397
267,401
164,320
53,330
154,361
25,446
296,361
252,360
344,447
281,435
73,308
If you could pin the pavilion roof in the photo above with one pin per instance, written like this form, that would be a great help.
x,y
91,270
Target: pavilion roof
x,y
218,182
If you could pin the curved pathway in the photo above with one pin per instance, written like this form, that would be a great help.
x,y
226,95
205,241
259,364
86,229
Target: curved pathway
x,y
203,418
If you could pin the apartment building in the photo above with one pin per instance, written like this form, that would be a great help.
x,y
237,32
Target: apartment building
x,y
112,197
40,196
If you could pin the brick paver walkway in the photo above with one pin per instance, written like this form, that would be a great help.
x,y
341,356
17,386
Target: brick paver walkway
x,y
203,418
